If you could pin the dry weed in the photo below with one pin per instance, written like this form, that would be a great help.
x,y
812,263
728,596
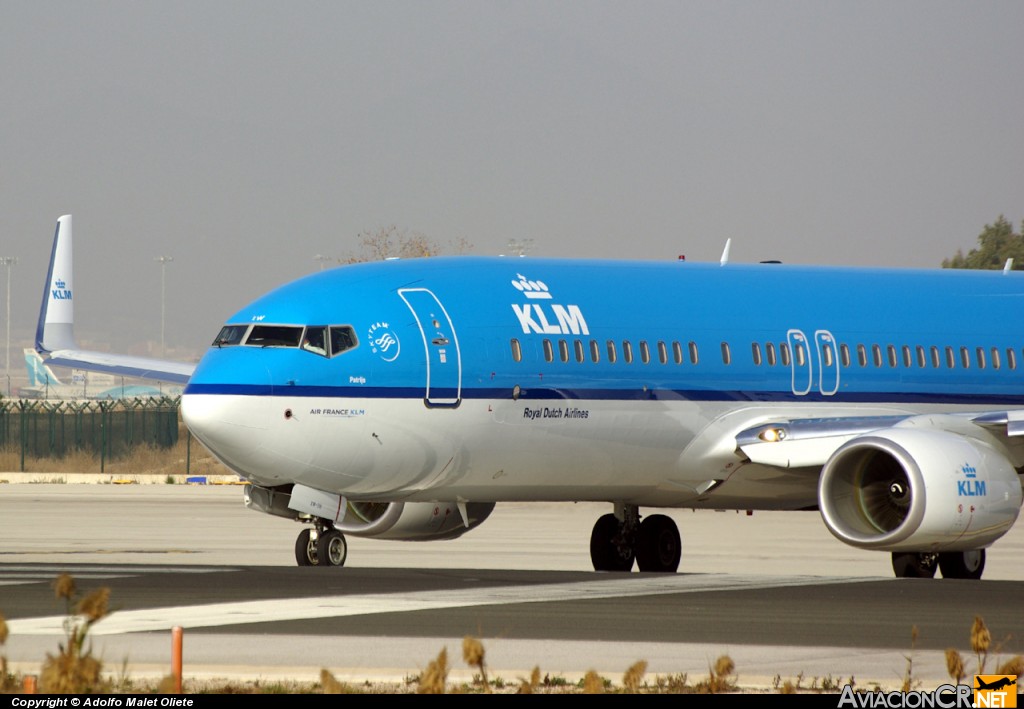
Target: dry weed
x,y
435,677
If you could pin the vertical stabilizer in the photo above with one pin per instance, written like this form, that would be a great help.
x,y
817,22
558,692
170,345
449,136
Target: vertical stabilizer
x,y
39,374
56,314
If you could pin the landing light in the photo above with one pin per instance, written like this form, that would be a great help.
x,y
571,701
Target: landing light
x,y
772,435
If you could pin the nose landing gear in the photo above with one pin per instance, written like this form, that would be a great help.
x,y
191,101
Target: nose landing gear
x,y
321,546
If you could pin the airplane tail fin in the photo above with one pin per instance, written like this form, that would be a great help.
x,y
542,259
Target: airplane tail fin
x,y
39,374
56,314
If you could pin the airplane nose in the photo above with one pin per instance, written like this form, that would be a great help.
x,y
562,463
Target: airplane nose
x,y
228,425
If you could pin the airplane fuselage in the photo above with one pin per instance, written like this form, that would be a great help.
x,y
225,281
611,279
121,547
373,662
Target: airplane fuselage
x,y
494,379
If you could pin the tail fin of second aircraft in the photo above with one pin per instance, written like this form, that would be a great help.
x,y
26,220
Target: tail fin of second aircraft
x,y
39,374
57,313
55,337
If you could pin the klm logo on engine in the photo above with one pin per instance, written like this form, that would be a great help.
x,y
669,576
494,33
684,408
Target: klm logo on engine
x,y
61,291
971,487
546,318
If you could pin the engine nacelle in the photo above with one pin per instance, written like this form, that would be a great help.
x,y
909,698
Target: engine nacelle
x,y
908,489
404,521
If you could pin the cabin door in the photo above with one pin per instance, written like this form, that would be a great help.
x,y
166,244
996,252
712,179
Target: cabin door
x,y
828,362
800,362
444,364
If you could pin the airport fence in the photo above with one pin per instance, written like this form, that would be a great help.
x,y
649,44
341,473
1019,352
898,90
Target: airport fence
x,y
110,429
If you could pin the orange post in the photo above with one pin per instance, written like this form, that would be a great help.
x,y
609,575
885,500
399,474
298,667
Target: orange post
x,y
176,643
28,684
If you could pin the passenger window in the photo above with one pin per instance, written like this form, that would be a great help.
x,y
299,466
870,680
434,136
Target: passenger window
x,y
693,352
922,360
677,352
230,335
343,338
549,353
726,354
611,351
950,358
784,354
876,353
892,355
1011,358
826,353
862,355
563,350
844,353
578,346
627,352
965,358
770,351
662,352
645,352
936,358
755,351
517,351
980,352
995,358
908,359
315,340
595,351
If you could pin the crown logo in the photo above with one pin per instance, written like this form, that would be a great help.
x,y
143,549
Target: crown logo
x,y
969,470
531,289
59,283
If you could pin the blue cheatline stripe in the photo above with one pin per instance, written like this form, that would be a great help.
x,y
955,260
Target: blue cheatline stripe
x,y
541,394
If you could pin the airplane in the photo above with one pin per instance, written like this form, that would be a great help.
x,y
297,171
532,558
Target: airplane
x,y
44,384
996,685
404,399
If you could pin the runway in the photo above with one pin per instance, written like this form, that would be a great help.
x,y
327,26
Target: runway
x,y
774,591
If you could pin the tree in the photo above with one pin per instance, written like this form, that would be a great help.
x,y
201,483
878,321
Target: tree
x,y
996,243
392,242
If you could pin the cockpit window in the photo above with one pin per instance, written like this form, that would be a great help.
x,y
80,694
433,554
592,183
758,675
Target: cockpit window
x,y
343,338
274,336
230,335
315,340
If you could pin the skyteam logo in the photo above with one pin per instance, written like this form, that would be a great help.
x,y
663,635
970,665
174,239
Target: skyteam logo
x,y
60,290
384,341
970,486
548,319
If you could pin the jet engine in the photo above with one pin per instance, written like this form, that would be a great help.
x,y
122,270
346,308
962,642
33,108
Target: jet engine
x,y
918,490
404,521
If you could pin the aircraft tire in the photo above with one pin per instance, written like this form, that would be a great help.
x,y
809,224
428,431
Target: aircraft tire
x,y
331,549
659,547
962,564
605,553
305,549
914,565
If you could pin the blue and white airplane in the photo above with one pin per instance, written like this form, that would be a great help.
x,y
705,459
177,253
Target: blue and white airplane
x,y
403,399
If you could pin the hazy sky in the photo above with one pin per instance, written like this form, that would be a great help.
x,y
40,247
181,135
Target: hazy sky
x,y
244,138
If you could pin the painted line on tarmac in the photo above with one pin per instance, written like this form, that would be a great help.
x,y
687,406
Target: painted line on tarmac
x,y
241,612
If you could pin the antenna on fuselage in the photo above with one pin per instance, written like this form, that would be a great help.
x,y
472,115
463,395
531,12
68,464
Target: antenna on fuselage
x,y
725,252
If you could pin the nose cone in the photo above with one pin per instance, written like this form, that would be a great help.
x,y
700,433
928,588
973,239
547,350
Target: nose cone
x,y
229,426
222,408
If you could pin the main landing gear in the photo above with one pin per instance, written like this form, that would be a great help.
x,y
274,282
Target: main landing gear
x,y
953,564
321,546
620,539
